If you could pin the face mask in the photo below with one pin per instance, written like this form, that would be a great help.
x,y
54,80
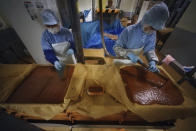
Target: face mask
x,y
54,30
147,31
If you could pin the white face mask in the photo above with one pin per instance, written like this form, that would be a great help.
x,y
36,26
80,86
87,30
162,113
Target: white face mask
x,y
147,31
54,30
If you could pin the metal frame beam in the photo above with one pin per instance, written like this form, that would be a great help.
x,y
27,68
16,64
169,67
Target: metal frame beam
x,y
75,26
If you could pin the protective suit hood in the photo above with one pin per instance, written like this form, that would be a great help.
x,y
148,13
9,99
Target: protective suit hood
x,y
156,16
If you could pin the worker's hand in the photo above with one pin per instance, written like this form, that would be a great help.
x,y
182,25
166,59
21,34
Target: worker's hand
x,y
119,51
57,65
70,52
153,67
134,58
112,37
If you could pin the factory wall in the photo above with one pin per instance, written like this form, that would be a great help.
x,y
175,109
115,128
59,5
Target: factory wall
x,y
126,5
87,4
84,4
143,10
15,14
181,43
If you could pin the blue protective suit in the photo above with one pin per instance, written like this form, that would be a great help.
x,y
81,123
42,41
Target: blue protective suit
x,y
48,39
156,16
91,35
49,17
134,37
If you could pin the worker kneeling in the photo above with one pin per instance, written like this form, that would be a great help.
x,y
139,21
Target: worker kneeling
x,y
142,36
57,42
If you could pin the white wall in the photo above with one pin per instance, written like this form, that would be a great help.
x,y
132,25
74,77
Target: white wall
x,y
128,5
14,12
84,4
143,10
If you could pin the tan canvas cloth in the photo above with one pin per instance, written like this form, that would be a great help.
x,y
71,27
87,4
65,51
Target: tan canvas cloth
x,y
94,106
44,111
12,75
115,99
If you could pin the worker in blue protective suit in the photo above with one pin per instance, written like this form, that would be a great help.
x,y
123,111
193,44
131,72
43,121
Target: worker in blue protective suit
x,y
142,36
57,42
92,37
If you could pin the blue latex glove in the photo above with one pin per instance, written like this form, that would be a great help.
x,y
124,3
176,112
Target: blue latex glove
x,y
70,52
134,58
153,67
57,65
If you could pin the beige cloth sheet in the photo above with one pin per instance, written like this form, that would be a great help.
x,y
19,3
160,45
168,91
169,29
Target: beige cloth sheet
x,y
13,74
93,106
115,99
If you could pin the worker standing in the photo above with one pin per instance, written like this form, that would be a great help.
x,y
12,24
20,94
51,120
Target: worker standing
x,y
142,36
57,42
110,4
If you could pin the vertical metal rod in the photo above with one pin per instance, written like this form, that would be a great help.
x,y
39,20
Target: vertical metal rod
x,y
180,12
75,25
101,24
64,13
93,10
118,4
137,7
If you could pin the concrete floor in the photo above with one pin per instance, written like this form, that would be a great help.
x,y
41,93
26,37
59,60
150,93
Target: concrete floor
x,y
181,125
188,124
94,129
